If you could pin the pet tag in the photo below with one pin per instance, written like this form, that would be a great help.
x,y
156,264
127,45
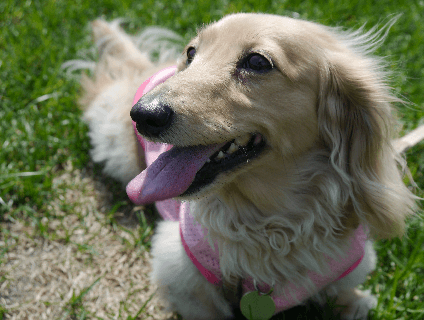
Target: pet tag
x,y
256,306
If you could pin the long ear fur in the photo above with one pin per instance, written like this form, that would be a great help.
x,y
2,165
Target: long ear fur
x,y
356,125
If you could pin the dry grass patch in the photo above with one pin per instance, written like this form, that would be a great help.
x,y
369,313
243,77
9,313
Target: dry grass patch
x,y
87,265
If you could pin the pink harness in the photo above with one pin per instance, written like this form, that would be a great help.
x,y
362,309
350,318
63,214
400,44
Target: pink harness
x,y
205,258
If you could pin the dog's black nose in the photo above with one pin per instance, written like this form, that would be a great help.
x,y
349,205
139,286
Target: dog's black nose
x,y
151,118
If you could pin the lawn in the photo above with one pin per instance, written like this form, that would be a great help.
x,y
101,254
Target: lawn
x,y
51,195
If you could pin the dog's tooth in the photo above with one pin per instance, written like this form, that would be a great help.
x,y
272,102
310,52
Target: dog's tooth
x,y
232,148
209,160
220,155
241,141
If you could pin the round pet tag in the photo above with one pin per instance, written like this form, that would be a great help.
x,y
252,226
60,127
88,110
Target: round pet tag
x,y
255,306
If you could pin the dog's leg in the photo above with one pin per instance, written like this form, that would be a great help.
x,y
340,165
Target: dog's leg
x,y
179,282
354,303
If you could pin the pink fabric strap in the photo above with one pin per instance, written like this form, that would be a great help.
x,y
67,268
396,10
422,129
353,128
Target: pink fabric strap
x,y
205,272
353,267
148,85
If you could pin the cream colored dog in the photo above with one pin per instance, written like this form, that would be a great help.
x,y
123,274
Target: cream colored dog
x,y
309,108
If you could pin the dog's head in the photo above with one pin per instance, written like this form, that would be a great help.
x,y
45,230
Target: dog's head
x,y
255,97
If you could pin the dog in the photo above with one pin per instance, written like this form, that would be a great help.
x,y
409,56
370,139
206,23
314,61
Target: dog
x,y
282,168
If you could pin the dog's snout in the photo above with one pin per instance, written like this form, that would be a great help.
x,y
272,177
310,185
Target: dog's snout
x,y
152,118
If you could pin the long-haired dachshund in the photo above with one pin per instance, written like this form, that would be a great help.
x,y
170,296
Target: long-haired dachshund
x,y
281,164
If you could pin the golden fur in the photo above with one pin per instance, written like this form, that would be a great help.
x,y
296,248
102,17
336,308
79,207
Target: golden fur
x,y
325,112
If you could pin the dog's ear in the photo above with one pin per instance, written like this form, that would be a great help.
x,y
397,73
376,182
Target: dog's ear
x,y
355,119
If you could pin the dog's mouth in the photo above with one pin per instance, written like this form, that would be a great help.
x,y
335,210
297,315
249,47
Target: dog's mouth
x,y
183,171
235,153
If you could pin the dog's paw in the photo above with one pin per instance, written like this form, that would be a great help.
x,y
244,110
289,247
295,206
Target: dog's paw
x,y
359,309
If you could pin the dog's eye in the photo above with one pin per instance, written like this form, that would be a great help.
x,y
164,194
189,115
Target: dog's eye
x,y
257,62
191,52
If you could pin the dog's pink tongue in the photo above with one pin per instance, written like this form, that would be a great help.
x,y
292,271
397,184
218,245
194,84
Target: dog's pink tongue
x,y
170,175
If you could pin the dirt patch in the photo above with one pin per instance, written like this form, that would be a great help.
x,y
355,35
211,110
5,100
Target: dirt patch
x,y
87,265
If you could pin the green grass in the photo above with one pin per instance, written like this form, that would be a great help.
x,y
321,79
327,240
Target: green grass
x,y
74,307
41,131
